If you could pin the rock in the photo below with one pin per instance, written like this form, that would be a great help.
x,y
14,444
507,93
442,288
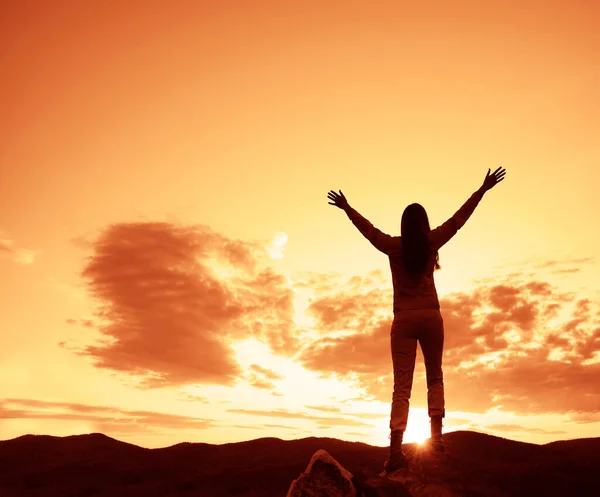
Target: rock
x,y
425,486
427,475
373,485
323,477
430,474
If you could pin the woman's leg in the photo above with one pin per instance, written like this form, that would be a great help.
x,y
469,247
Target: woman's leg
x,y
404,352
431,338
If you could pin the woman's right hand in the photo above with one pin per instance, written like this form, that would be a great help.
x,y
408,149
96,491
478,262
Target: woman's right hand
x,y
493,179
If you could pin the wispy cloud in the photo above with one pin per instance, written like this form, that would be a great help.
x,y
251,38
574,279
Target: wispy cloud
x,y
356,434
260,377
282,413
325,408
523,429
585,417
105,418
337,410
8,248
267,373
563,262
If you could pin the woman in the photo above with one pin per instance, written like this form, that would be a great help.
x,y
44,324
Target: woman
x,y
413,258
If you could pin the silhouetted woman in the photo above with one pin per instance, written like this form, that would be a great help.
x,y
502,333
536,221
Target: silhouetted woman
x,y
413,258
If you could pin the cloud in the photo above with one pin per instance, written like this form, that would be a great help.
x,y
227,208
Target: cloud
x,y
518,344
260,377
356,321
106,419
9,249
87,323
517,428
171,300
567,270
325,408
585,417
282,413
337,410
260,383
186,397
267,373
448,421
356,434
563,262
277,246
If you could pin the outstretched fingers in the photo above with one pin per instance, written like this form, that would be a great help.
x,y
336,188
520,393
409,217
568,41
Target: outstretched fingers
x,y
334,197
494,178
499,174
337,199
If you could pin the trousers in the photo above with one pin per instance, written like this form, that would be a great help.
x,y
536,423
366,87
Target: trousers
x,y
425,326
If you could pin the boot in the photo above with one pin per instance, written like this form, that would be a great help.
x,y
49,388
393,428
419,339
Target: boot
x,y
397,457
437,441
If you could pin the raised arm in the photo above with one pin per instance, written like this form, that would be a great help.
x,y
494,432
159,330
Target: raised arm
x,y
381,241
441,234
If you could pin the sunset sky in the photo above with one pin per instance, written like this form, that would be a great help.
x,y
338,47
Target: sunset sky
x,y
170,269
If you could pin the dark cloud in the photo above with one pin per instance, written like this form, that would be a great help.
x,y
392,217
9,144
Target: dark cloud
x,y
171,299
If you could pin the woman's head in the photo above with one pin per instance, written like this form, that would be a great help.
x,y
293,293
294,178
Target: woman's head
x,y
416,252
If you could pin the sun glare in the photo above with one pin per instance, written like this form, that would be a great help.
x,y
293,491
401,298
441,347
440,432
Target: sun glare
x,y
417,429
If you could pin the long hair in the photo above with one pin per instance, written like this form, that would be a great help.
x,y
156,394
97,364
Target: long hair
x,y
416,253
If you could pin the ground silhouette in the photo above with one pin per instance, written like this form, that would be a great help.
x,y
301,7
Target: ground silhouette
x,y
97,465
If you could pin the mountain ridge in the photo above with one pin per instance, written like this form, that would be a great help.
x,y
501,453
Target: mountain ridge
x,y
96,464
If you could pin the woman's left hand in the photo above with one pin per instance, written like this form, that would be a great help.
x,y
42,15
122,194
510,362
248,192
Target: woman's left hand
x,y
339,200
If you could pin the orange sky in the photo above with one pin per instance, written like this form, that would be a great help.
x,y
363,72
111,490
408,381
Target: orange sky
x,y
171,269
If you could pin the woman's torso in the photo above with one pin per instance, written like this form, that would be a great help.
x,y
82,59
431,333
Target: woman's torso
x,y
413,291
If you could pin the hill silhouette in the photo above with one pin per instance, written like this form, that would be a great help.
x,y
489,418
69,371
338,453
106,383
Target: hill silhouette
x,y
97,465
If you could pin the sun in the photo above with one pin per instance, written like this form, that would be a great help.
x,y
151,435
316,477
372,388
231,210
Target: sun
x,y
418,429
